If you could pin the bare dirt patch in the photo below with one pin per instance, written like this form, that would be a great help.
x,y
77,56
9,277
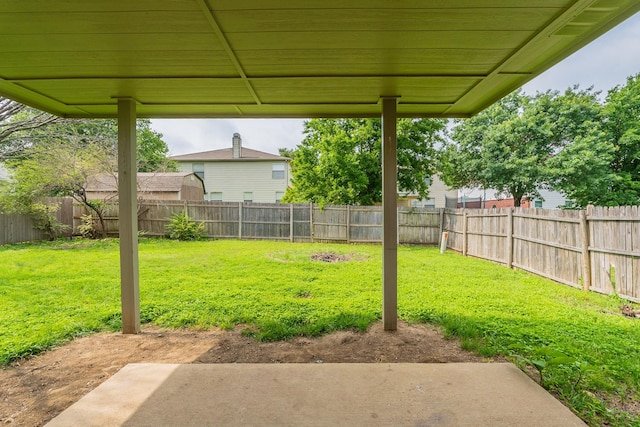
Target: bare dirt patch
x,y
36,390
629,311
331,257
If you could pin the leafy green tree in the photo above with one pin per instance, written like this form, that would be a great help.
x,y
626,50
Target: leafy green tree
x,y
339,160
582,170
509,145
622,128
287,152
152,150
63,170
17,123
24,131
603,167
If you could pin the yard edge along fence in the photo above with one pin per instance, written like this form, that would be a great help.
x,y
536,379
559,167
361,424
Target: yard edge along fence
x,y
16,228
295,223
597,249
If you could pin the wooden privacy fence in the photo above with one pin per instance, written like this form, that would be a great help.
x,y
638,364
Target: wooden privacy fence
x,y
16,228
597,249
296,223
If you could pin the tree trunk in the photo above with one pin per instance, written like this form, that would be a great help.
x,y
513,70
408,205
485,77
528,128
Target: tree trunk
x,y
103,227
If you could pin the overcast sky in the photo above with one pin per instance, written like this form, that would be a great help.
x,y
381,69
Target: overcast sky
x,y
605,63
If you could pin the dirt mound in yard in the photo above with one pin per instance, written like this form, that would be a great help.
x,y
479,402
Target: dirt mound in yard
x,y
331,257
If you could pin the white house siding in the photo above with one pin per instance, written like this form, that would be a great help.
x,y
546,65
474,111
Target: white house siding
x,y
236,177
437,192
552,199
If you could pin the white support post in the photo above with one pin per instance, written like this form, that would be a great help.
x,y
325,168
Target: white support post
x,y
128,218
389,216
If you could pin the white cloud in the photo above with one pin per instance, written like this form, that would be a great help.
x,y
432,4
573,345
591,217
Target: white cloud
x,y
604,63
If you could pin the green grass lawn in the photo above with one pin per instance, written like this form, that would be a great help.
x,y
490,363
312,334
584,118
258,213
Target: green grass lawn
x,y
589,354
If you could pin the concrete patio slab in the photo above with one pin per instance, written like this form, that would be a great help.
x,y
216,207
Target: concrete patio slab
x,y
456,394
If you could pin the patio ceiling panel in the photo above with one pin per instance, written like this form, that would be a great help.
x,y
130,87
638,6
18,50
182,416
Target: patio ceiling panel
x,y
278,58
360,90
111,64
166,91
372,62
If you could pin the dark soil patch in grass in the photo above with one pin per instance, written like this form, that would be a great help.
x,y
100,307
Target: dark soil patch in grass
x,y
331,257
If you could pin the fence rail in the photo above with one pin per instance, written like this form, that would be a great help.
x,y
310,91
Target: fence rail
x,y
597,249
296,223
16,228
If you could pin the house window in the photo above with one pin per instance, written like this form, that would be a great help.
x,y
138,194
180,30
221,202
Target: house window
x,y
277,171
279,196
216,196
425,203
538,203
248,197
198,169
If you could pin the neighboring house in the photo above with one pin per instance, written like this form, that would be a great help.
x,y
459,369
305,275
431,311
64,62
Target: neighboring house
x,y
151,186
478,198
239,174
438,193
552,200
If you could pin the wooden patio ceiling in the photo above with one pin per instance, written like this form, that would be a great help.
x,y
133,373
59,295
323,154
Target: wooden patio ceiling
x,y
285,58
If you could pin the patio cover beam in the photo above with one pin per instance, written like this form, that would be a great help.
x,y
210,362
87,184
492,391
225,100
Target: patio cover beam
x,y
129,286
389,215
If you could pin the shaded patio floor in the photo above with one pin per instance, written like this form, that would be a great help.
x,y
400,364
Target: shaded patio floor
x,y
456,394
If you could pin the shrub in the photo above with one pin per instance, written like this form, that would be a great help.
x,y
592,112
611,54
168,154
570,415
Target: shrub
x,y
44,219
182,228
87,228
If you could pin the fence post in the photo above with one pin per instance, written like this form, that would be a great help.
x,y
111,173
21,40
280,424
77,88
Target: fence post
x,y
441,222
397,225
586,258
240,220
464,232
348,224
509,245
311,221
291,222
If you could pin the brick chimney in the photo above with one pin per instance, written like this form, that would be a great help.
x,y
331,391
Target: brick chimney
x,y
237,146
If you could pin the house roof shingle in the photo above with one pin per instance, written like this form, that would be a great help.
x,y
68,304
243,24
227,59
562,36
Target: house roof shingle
x,y
148,182
226,154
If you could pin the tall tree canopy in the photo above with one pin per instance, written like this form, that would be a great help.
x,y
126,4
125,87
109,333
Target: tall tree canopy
x,y
511,145
57,157
339,160
622,129
17,123
25,131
